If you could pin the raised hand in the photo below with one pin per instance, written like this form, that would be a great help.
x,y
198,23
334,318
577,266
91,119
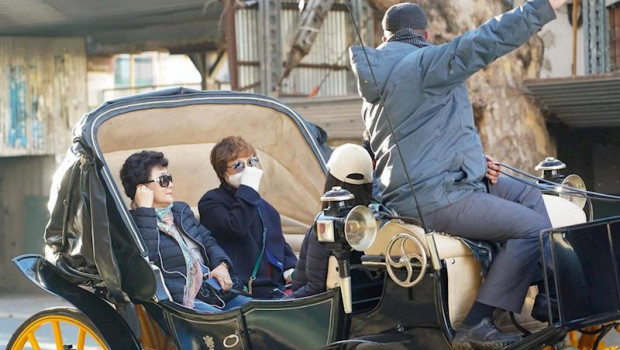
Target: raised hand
x,y
144,197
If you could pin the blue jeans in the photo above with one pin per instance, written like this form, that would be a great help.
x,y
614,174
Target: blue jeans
x,y
237,301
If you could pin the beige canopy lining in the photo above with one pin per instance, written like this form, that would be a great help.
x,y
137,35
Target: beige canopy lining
x,y
293,179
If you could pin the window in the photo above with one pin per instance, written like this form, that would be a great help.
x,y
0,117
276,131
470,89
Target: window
x,y
143,71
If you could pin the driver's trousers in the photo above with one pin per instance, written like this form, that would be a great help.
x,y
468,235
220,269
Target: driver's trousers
x,y
512,213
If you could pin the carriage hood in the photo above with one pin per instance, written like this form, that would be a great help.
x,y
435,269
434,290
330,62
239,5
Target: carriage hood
x,y
90,234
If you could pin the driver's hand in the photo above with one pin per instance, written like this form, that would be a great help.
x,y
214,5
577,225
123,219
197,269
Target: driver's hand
x,y
492,170
222,276
144,197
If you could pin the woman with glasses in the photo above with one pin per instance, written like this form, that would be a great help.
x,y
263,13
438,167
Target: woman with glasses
x,y
244,224
184,250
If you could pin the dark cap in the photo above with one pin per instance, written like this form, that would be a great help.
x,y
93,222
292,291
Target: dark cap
x,y
404,15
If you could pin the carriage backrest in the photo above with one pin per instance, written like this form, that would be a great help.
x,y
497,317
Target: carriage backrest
x,y
186,136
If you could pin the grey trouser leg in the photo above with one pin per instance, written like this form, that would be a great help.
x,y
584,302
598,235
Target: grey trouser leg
x,y
513,213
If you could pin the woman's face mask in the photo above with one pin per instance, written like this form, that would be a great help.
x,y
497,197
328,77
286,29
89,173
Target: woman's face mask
x,y
234,180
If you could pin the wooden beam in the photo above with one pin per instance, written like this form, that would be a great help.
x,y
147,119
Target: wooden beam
x,y
188,37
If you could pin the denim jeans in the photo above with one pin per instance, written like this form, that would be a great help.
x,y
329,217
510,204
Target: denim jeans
x,y
237,301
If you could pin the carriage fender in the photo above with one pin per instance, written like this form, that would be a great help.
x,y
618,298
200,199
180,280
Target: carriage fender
x,y
563,212
113,328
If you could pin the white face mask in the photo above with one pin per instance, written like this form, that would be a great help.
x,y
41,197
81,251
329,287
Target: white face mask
x,y
234,180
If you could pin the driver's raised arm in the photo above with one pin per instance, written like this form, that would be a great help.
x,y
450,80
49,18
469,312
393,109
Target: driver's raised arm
x,y
452,63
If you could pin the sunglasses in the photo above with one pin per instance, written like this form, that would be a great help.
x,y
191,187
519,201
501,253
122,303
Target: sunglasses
x,y
163,180
239,165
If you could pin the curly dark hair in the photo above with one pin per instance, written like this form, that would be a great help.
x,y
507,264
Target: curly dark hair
x,y
137,169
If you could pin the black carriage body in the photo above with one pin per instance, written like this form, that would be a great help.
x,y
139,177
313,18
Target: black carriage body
x,y
586,261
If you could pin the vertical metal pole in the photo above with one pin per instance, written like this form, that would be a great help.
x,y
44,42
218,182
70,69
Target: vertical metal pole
x,y
270,33
575,18
132,73
205,71
595,36
231,45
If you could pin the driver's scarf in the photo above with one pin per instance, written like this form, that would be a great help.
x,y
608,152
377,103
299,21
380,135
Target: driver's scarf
x,y
193,279
409,36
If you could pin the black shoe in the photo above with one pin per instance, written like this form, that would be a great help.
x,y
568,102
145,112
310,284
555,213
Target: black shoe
x,y
540,311
482,336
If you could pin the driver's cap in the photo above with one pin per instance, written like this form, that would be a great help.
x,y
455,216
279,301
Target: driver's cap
x,y
351,164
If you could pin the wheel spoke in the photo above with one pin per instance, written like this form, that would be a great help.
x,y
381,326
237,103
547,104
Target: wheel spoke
x,y
68,326
409,272
33,341
57,335
81,339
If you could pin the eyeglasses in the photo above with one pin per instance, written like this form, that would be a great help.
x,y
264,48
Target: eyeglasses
x,y
239,165
163,180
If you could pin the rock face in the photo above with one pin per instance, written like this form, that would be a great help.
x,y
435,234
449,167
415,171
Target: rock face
x,y
511,125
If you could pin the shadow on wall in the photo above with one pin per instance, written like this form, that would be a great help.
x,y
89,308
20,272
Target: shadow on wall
x,y
24,191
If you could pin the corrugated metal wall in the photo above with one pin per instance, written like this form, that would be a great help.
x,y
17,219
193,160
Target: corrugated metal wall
x,y
339,116
246,27
327,60
42,93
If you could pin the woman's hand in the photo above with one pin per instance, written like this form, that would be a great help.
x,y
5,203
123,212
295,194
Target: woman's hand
x,y
144,197
251,177
492,170
222,276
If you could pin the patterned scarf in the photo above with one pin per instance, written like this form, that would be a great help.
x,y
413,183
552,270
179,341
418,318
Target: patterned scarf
x,y
193,280
409,36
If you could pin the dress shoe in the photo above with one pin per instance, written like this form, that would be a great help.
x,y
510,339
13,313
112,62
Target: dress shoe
x,y
482,336
540,311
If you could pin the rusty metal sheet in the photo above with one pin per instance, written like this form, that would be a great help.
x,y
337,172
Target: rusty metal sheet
x,y
580,102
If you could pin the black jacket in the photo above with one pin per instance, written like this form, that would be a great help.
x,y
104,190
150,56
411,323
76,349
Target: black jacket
x,y
162,247
311,271
233,217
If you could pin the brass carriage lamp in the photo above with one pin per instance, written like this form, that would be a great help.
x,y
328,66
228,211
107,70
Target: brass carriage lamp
x,y
342,228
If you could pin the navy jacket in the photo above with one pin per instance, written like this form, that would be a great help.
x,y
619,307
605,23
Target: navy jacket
x,y
427,103
311,270
166,253
233,217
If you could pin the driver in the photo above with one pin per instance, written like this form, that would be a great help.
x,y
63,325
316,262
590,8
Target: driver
x,y
422,90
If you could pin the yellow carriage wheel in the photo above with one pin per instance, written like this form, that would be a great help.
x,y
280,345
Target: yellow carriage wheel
x,y
58,329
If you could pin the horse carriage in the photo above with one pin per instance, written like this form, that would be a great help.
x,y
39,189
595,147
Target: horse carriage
x,y
411,290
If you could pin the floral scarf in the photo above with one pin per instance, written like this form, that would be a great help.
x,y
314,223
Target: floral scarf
x,y
193,279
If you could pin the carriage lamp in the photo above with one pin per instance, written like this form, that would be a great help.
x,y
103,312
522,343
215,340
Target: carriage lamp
x,y
341,228
550,167
550,171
